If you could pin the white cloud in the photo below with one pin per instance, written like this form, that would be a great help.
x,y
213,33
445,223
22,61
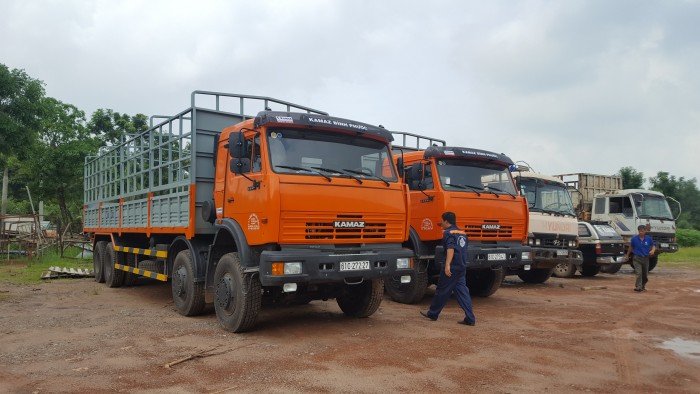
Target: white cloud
x,y
587,86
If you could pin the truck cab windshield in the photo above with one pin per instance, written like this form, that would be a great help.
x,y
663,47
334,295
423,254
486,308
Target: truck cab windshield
x,y
652,206
310,152
468,176
545,196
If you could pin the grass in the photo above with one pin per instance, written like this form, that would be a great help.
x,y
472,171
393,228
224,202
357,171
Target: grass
x,y
27,271
685,257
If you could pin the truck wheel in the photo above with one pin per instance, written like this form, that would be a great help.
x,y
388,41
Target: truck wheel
x,y
407,293
363,299
113,276
188,296
538,275
129,259
564,270
483,283
238,296
610,268
589,270
652,262
97,264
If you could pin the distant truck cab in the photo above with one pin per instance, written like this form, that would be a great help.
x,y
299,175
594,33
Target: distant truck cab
x,y
478,187
602,199
552,227
235,209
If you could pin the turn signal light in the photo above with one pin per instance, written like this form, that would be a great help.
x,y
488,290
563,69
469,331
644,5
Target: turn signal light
x,y
278,268
598,249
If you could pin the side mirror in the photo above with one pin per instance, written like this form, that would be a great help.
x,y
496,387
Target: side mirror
x,y
416,171
240,166
399,167
237,145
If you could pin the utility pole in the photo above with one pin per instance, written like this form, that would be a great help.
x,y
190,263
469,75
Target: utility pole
x,y
3,203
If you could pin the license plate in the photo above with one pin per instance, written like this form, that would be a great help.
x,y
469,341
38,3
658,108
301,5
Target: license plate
x,y
562,252
354,265
664,245
497,256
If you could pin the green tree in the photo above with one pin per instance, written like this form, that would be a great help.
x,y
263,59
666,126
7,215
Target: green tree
x,y
112,126
631,178
685,191
55,169
20,112
20,107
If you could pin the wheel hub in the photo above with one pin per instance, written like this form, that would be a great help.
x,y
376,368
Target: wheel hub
x,y
223,292
180,282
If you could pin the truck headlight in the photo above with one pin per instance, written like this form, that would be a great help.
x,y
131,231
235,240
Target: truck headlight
x,y
525,256
537,242
403,263
530,241
292,268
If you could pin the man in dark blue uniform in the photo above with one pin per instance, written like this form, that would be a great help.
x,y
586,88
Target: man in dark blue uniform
x,y
452,277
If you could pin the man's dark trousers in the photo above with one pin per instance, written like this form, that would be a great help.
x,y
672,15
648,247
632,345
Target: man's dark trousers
x,y
446,285
641,270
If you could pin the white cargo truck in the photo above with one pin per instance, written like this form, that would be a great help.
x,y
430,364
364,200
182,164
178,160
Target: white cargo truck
x,y
601,198
553,227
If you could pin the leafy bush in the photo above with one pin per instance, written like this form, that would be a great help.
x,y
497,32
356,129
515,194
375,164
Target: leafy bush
x,y
688,237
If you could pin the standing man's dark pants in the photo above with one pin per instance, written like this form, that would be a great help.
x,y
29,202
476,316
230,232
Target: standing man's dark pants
x,y
641,270
446,285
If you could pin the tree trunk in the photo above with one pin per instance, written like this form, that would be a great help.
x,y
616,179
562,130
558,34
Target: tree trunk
x,y
3,202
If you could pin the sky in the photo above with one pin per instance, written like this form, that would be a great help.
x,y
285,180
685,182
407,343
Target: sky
x,y
566,86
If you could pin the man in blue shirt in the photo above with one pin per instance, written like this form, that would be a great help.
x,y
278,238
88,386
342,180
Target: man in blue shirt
x,y
452,277
641,246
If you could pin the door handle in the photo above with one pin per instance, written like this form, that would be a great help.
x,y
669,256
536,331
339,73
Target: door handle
x,y
230,199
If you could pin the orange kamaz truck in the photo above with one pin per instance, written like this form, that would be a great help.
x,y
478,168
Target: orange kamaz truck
x,y
478,187
235,206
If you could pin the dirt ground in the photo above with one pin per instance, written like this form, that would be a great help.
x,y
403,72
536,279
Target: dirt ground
x,y
76,335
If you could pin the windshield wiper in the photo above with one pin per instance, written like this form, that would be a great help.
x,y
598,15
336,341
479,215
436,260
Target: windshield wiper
x,y
334,171
465,187
502,191
551,211
368,175
306,169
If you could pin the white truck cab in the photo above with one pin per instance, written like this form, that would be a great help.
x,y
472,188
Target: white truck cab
x,y
553,226
627,209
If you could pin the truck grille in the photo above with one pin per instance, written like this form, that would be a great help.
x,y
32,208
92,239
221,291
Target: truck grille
x,y
308,227
476,231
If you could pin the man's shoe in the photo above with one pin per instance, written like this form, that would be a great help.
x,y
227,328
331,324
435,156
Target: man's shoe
x,y
466,322
425,314
638,290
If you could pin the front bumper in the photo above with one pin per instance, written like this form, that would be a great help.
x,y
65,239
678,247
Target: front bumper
x,y
492,256
609,260
323,266
550,257
666,247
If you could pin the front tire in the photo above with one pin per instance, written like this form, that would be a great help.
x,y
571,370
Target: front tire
x,y
539,275
97,261
610,268
483,283
188,296
361,300
238,296
652,262
589,270
407,293
564,270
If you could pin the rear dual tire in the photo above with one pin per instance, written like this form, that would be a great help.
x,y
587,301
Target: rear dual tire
x,y
98,261
536,275
188,295
483,283
564,270
113,277
361,300
407,293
